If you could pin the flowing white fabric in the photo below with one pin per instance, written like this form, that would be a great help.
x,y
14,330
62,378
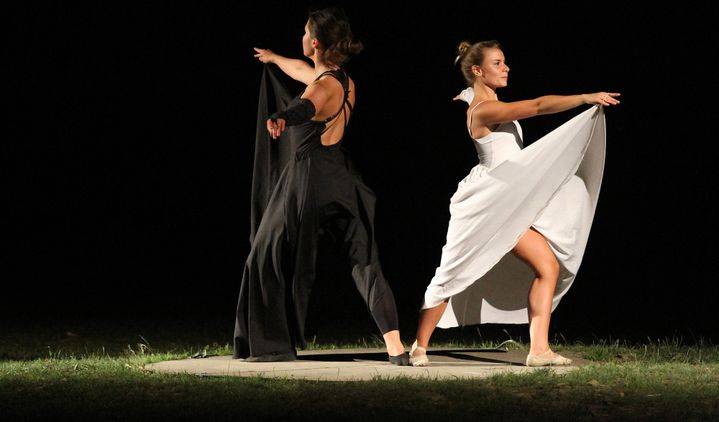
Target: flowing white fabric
x,y
552,185
467,95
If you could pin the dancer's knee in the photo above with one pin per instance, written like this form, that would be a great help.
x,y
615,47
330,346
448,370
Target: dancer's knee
x,y
548,268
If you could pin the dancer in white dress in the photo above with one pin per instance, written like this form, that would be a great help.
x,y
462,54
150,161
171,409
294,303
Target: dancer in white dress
x,y
537,203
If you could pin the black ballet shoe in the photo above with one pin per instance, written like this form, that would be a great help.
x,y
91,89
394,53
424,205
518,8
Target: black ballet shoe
x,y
400,360
273,357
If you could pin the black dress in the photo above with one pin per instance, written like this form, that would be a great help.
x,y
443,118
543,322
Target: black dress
x,y
317,193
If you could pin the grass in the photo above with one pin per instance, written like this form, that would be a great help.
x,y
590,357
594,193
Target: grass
x,y
97,373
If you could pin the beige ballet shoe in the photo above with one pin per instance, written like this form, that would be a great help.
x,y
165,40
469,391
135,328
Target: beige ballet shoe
x,y
418,355
547,358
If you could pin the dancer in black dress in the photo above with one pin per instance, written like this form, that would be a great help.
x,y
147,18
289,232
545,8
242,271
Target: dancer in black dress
x,y
317,192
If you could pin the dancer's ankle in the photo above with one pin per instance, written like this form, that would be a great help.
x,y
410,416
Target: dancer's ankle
x,y
422,344
540,351
394,349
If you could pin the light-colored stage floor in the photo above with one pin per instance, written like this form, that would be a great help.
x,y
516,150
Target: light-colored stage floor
x,y
364,364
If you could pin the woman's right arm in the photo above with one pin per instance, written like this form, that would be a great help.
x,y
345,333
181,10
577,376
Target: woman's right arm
x,y
298,70
499,112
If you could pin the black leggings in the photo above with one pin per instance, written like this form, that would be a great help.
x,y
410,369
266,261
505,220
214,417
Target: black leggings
x,y
349,233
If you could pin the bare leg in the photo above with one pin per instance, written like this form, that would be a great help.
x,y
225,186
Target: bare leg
x,y
393,342
533,249
428,319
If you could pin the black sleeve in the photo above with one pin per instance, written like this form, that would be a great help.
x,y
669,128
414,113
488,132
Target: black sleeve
x,y
301,112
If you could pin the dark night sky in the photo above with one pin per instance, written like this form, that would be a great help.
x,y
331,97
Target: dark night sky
x,y
131,136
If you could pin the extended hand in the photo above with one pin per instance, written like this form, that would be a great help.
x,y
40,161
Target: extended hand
x,y
263,55
603,98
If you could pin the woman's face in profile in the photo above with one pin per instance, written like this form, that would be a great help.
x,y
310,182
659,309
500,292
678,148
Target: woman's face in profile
x,y
495,72
307,48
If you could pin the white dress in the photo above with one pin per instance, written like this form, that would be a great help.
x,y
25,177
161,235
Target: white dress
x,y
552,185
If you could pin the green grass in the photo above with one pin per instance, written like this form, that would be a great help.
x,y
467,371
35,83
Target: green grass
x,y
98,374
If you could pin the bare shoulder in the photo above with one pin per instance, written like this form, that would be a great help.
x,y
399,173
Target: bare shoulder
x,y
319,90
481,109
331,85
326,83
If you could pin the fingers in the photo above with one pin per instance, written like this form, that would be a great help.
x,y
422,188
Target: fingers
x,y
275,128
262,55
271,128
607,98
610,98
280,126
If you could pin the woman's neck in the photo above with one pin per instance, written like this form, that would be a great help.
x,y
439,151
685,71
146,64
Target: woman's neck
x,y
482,92
321,66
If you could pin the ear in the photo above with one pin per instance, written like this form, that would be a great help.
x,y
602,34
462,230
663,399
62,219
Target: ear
x,y
315,43
476,70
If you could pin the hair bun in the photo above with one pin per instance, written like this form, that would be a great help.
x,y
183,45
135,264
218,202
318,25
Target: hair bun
x,y
349,46
463,48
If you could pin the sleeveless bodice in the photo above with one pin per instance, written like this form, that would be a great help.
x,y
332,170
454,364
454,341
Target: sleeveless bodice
x,y
499,145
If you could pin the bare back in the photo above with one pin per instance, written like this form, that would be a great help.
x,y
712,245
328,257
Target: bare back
x,y
332,93
335,107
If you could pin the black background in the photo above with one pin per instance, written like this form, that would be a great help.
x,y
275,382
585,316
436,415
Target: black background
x,y
131,130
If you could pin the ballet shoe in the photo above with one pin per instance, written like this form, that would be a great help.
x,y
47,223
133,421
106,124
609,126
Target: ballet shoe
x,y
399,360
272,357
418,355
547,358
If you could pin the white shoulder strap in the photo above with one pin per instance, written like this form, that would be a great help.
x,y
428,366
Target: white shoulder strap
x,y
469,127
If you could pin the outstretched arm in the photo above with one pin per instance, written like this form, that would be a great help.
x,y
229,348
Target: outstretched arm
x,y
296,69
499,112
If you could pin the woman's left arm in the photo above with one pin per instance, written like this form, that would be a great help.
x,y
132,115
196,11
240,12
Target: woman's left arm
x,y
311,104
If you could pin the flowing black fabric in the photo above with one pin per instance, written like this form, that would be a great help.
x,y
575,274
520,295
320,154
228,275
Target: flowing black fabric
x,y
271,156
317,193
